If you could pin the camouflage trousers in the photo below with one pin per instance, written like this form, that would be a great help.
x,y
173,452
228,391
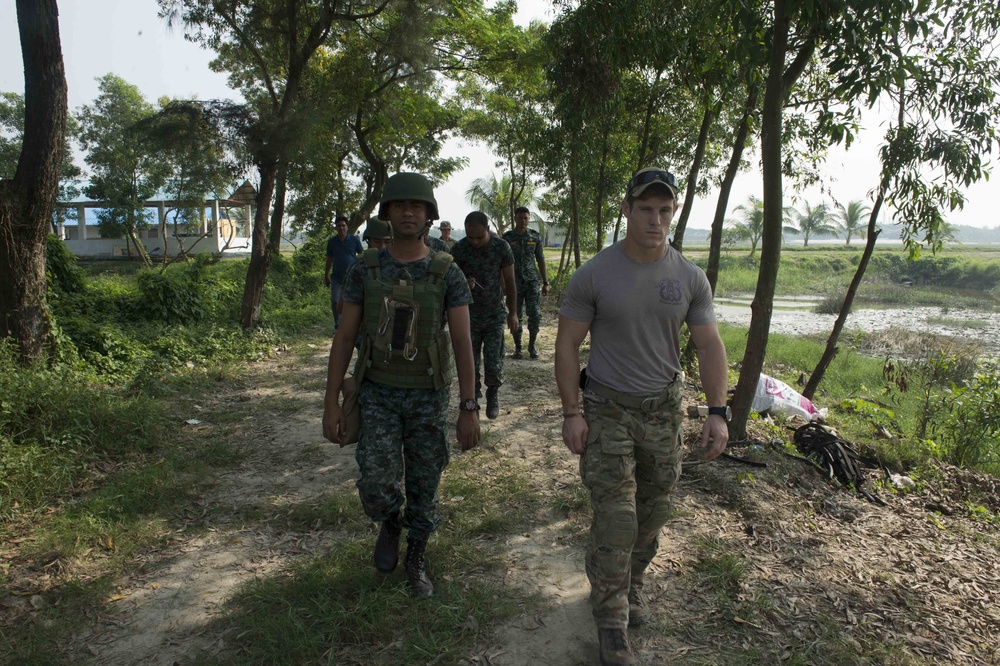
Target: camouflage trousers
x,y
401,454
529,296
488,345
632,461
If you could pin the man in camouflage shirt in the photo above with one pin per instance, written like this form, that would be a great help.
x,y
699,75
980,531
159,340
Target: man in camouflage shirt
x,y
528,251
488,264
404,447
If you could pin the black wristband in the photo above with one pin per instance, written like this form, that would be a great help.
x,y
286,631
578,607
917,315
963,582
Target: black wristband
x,y
569,416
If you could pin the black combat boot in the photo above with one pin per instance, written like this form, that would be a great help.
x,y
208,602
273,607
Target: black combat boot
x,y
386,553
532,349
492,402
517,344
416,567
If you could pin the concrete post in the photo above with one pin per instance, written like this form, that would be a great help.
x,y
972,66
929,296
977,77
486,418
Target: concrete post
x,y
81,220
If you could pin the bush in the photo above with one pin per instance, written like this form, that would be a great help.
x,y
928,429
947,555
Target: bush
x,y
61,269
966,421
174,295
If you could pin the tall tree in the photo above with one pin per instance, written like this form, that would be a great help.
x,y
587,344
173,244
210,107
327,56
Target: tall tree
x,y
937,144
267,46
27,200
12,136
125,170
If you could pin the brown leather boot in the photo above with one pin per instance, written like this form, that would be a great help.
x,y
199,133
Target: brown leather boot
x,y
416,568
638,611
615,648
386,553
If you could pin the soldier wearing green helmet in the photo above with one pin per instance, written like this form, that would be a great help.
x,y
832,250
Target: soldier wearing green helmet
x,y
377,234
397,297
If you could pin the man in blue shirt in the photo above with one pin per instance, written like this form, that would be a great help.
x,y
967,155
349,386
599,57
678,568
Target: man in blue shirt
x,y
342,251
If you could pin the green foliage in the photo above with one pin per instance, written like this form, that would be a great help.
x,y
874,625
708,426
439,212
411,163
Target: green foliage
x,y
174,295
53,423
966,421
938,271
61,268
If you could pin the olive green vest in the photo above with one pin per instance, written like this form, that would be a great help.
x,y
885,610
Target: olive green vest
x,y
425,360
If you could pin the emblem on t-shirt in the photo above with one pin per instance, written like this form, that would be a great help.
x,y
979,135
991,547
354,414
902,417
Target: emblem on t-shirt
x,y
670,291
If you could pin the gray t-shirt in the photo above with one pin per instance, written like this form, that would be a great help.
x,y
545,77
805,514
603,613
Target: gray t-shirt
x,y
635,313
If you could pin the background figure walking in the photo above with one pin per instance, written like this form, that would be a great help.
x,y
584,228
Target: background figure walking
x,y
488,264
633,298
342,251
532,283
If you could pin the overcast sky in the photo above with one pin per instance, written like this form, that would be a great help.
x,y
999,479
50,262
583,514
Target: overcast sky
x,y
127,38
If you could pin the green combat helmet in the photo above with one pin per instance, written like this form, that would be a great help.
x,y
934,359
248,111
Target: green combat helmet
x,y
377,229
408,187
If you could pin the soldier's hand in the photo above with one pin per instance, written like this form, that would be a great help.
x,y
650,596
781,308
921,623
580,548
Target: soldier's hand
x,y
334,424
467,430
326,280
714,437
512,322
545,289
574,433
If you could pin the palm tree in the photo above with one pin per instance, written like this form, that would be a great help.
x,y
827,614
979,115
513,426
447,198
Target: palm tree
x,y
850,219
813,220
750,225
493,197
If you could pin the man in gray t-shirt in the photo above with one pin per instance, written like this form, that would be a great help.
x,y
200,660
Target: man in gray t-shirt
x,y
632,298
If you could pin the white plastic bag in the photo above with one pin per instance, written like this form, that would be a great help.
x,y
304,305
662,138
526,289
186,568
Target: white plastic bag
x,y
776,396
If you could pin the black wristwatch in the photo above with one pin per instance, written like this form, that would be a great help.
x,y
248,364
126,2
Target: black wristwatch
x,y
725,412
469,405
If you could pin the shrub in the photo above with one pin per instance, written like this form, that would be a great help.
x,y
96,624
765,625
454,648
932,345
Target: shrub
x,y
61,269
966,422
174,295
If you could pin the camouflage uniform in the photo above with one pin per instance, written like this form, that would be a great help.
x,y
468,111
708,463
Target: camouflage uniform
x,y
528,255
487,314
404,432
632,461
437,245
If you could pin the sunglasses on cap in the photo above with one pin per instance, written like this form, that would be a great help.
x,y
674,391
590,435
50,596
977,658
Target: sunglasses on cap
x,y
646,177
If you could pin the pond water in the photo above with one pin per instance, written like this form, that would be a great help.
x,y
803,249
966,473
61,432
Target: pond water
x,y
794,316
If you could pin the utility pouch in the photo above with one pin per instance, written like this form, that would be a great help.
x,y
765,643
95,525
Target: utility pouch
x,y
397,326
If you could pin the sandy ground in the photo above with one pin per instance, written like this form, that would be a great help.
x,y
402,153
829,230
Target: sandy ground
x,y
917,573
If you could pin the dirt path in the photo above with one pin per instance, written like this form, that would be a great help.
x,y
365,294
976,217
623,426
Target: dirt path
x,y
821,566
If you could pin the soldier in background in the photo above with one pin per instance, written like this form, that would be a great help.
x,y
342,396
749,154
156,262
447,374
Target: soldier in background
x,y
488,265
532,283
446,238
342,251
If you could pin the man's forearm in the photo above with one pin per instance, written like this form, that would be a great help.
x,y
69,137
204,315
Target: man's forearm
x,y
567,369
714,373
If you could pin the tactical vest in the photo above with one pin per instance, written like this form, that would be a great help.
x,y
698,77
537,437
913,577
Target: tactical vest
x,y
406,343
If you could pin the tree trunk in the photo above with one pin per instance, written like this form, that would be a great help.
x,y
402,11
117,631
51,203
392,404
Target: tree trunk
x,y
838,326
278,214
742,131
770,251
692,183
260,258
575,217
601,175
27,201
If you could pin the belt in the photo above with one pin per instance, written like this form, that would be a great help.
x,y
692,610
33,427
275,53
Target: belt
x,y
646,403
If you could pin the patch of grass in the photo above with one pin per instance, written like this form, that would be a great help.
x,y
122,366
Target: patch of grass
x,y
337,609
720,568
